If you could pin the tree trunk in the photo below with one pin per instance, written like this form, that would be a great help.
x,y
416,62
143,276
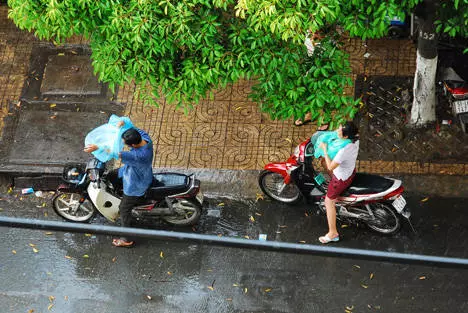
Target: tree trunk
x,y
424,103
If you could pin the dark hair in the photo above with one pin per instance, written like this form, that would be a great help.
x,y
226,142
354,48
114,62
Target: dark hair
x,y
131,137
350,130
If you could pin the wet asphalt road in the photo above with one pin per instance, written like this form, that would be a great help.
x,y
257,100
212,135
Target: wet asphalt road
x,y
65,272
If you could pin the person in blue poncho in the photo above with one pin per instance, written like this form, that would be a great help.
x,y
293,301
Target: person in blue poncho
x,y
340,155
136,175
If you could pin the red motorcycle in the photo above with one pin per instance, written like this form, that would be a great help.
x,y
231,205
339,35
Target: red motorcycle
x,y
371,199
456,90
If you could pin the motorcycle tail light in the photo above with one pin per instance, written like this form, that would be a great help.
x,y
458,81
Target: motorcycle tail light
x,y
394,194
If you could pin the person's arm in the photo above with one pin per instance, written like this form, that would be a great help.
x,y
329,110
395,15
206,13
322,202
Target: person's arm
x,y
331,165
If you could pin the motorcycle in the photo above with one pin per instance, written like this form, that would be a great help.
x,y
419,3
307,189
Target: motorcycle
x,y
371,199
456,90
175,198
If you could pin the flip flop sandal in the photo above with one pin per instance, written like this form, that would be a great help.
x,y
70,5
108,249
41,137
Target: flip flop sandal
x,y
325,239
300,122
122,243
323,127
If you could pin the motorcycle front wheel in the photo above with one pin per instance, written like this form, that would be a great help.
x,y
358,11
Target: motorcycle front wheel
x,y
67,205
187,212
385,219
272,184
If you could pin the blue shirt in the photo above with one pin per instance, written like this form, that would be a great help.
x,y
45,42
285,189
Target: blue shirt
x,y
137,172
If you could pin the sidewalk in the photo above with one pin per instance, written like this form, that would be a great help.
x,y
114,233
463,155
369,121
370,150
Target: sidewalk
x,y
228,132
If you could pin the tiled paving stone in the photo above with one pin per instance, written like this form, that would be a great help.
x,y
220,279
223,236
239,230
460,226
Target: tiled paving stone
x,y
384,132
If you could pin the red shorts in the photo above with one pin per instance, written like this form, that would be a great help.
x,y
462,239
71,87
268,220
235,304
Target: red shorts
x,y
337,186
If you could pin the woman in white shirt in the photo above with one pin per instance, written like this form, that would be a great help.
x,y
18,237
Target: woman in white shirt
x,y
343,168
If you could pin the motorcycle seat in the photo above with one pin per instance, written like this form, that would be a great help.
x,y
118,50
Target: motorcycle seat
x,y
169,183
367,184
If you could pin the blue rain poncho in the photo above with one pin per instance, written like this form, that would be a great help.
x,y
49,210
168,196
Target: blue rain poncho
x,y
108,138
334,143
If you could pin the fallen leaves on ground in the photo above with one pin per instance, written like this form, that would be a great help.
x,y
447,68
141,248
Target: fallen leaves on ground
x,y
425,199
251,218
68,257
364,286
259,197
245,290
161,255
211,288
50,306
344,226
148,297
228,299
114,259
371,275
13,251
85,256
422,277
356,266
267,290
35,250
48,233
246,237
221,204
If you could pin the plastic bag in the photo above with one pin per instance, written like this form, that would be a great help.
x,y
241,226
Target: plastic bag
x,y
334,143
108,138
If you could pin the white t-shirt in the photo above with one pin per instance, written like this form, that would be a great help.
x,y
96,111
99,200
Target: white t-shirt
x,y
346,157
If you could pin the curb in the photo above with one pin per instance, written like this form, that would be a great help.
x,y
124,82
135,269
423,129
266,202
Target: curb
x,y
244,183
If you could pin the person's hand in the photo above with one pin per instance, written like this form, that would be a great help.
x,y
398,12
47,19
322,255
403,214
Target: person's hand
x,y
120,124
90,148
323,146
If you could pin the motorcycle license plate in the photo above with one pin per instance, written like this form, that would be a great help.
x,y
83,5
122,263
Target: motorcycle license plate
x,y
399,203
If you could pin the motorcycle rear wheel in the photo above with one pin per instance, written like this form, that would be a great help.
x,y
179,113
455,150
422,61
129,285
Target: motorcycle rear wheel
x,y
188,212
272,184
386,219
67,205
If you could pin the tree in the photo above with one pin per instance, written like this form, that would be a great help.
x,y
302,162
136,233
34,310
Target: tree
x,y
183,50
369,19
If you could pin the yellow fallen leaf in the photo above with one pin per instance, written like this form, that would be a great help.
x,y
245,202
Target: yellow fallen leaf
x,y
371,275
259,197
356,266
88,235
169,273
50,306
221,204
161,255
252,219
268,290
13,251
235,285
53,117
43,204
65,298
45,214
68,257
288,140
10,190
350,308
425,199
35,250
220,235
245,290
32,245
306,214
258,214
49,233
85,256
31,311
49,273
228,299
344,226
53,105
239,108
211,288
283,226
422,277
51,298
61,54
114,259
209,270
149,297
246,237
348,311
364,286
302,241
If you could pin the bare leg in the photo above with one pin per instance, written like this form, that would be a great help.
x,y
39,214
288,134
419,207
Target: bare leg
x,y
331,217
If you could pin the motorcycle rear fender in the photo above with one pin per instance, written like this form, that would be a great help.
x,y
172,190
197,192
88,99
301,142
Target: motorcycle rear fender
x,y
280,168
